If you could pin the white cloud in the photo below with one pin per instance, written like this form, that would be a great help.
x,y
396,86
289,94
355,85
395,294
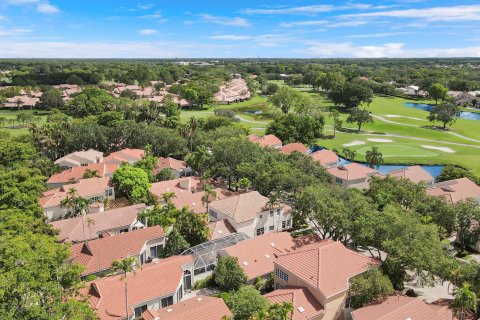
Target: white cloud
x,y
227,21
231,37
306,23
13,32
155,15
354,23
390,50
147,32
307,10
378,35
47,8
453,13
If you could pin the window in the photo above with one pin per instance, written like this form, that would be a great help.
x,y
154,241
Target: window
x,y
213,214
180,293
271,213
271,228
168,301
187,279
142,257
282,275
84,164
260,231
155,251
140,310
125,230
283,224
108,192
96,199
289,222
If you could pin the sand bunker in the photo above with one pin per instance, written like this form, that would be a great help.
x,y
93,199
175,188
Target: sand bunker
x,y
380,140
444,149
398,116
354,143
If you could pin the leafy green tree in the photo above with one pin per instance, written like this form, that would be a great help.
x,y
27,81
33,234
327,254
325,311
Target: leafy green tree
x,y
270,88
229,275
246,302
337,123
147,164
374,157
90,101
175,244
446,113
467,212
165,174
360,117
128,93
170,107
331,80
297,128
51,99
285,98
198,159
437,91
349,153
125,266
464,300
369,287
193,227
351,94
451,172
133,182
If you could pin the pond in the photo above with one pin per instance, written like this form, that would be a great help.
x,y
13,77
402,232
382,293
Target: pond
x,y
253,111
428,107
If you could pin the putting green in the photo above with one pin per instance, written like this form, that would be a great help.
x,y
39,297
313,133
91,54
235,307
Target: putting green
x,y
399,150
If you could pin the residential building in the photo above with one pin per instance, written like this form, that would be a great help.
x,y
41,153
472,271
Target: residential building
x,y
156,285
251,213
220,229
179,168
306,307
97,255
257,255
327,158
188,192
352,175
455,190
111,222
326,269
464,99
80,158
74,174
95,189
268,140
404,308
198,308
416,174
20,102
234,91
291,147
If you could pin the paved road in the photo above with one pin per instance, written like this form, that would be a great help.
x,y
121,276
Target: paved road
x,y
250,121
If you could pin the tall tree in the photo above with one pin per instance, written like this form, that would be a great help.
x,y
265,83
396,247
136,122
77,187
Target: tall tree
x,y
464,300
286,98
175,244
229,275
360,117
437,91
374,157
133,182
446,113
125,266
369,287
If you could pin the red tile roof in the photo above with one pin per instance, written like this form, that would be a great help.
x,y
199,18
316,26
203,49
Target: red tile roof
x,y
107,297
268,140
198,308
326,265
171,163
291,147
125,155
403,308
325,157
415,174
97,255
352,171
304,303
455,190
71,230
76,173
220,229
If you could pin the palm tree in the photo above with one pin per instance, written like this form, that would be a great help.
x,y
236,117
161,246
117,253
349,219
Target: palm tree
x,y
193,125
90,223
91,174
125,265
208,191
167,197
349,154
374,157
465,300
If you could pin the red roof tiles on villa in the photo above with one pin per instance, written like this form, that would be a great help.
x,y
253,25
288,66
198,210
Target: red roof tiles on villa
x,y
268,140
325,157
416,174
455,190
352,171
76,173
291,147
304,303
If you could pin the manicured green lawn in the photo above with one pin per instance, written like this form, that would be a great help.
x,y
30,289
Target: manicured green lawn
x,y
18,129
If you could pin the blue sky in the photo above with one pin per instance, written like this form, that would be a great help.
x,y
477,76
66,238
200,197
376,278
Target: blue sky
x,y
260,28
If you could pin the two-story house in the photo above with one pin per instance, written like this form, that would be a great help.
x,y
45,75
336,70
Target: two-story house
x,y
327,158
251,213
178,168
352,175
156,285
97,255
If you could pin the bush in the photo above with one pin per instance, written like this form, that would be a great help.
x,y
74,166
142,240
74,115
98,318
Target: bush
x,y
205,283
227,113
229,275
90,277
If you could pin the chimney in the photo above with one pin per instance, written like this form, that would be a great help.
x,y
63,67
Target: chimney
x,y
185,184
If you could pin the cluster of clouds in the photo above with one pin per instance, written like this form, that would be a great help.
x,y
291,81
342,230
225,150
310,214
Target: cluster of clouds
x,y
40,6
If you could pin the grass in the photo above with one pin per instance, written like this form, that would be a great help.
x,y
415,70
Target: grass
x,y
18,129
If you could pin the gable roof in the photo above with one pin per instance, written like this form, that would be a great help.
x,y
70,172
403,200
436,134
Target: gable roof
x,y
455,190
325,156
107,297
71,230
198,308
352,171
304,303
125,155
220,229
291,147
269,140
76,173
402,308
97,255
326,265
416,174
242,207
171,163
79,157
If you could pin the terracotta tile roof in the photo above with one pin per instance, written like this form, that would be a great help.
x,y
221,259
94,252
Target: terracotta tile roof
x,y
304,303
220,229
242,207
170,163
106,295
325,157
402,308
268,140
71,230
198,308
455,190
183,188
232,91
326,265
76,173
24,101
97,255
257,255
291,147
85,188
415,174
79,157
124,155
352,171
